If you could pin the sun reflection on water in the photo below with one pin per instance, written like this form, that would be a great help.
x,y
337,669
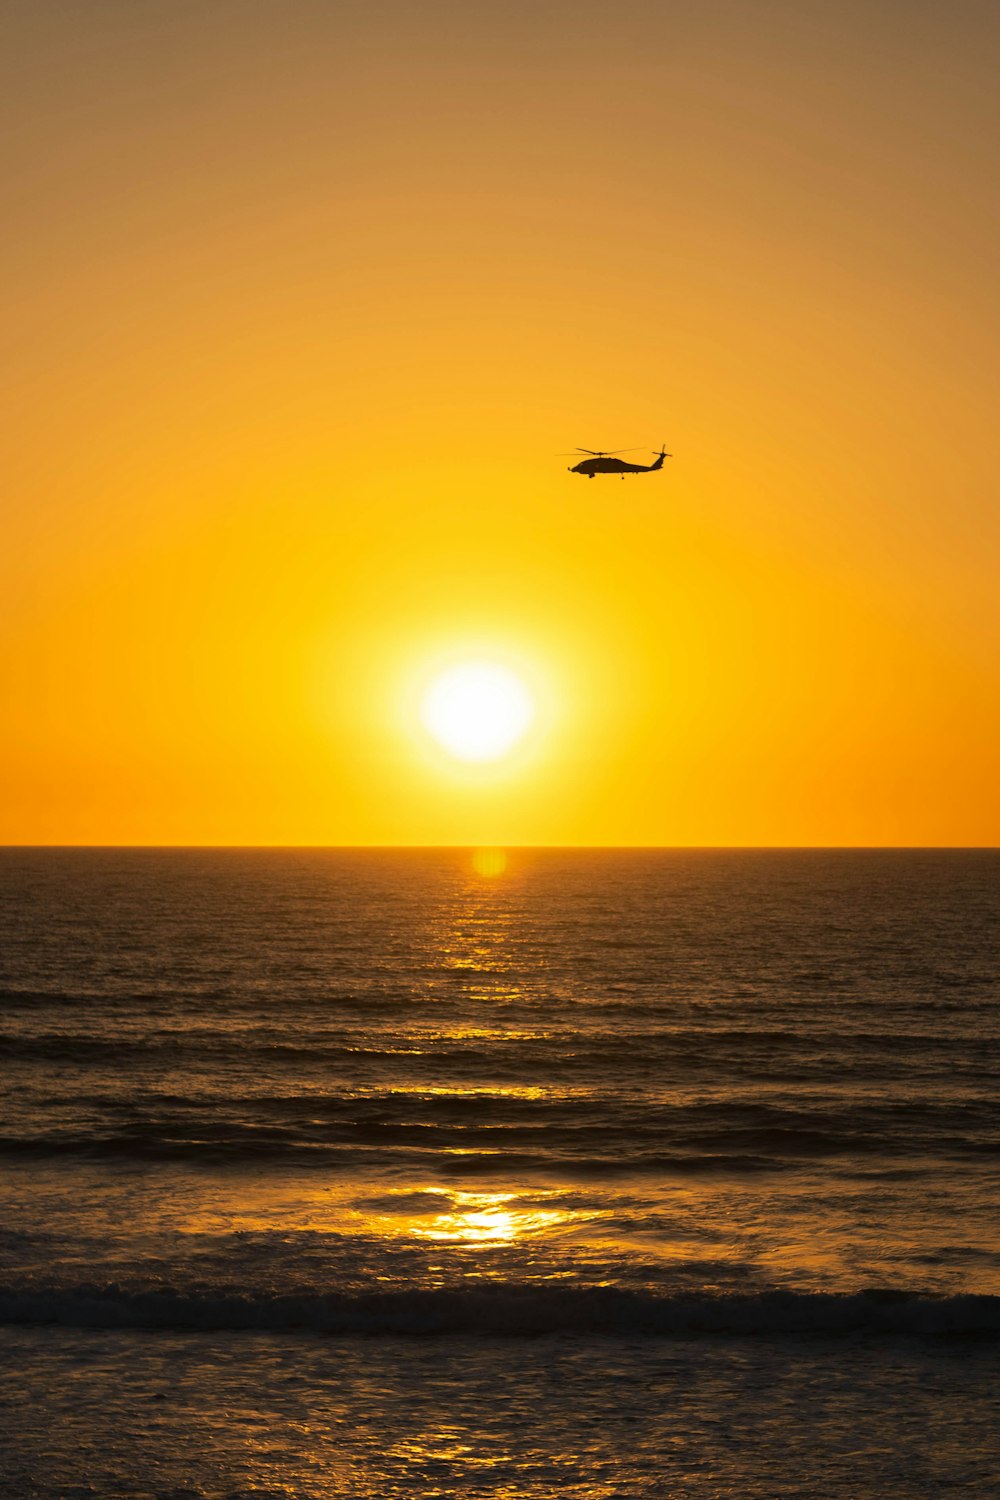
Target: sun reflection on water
x,y
496,1217
460,1218
478,929
489,862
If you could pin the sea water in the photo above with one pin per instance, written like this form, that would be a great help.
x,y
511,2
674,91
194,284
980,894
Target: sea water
x,y
529,1173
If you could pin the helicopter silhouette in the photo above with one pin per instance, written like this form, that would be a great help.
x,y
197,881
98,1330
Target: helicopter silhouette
x,y
600,462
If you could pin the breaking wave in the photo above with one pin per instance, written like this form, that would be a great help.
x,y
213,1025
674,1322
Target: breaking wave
x,y
515,1310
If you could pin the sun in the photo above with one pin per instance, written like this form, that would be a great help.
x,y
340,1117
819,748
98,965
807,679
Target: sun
x,y
477,710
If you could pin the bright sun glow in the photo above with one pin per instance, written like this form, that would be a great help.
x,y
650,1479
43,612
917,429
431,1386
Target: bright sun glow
x,y
477,711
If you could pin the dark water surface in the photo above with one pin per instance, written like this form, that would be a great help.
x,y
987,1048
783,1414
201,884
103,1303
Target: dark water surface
x,y
612,1137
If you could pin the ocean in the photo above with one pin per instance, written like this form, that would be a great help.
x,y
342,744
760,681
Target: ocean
x,y
590,1173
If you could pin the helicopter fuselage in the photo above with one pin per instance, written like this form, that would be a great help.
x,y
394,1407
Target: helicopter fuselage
x,y
601,465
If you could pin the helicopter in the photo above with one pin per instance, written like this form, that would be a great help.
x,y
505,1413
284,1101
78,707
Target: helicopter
x,y
601,462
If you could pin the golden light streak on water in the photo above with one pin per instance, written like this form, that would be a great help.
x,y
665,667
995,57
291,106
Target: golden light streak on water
x,y
488,1218
489,862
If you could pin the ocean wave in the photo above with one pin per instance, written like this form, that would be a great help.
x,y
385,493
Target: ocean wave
x,y
559,1132
715,1046
515,1310
255,1146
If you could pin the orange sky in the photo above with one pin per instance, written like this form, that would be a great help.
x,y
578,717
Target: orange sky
x,y
305,301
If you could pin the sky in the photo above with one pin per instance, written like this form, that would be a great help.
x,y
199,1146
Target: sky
x,y
305,304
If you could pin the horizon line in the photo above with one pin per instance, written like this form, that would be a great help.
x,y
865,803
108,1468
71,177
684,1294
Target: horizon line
x,y
486,844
